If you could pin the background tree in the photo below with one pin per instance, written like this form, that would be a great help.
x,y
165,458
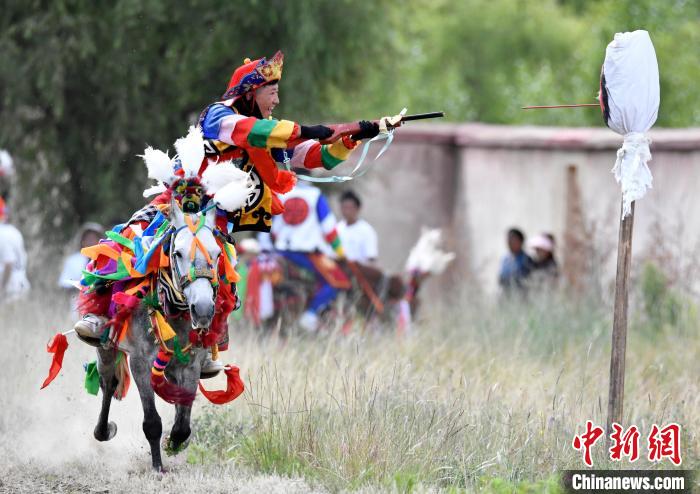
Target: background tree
x,y
84,86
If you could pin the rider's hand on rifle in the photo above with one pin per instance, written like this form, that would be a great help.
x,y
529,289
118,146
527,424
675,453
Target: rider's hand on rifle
x,y
368,130
319,132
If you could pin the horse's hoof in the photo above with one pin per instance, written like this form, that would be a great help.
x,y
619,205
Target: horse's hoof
x,y
170,448
111,431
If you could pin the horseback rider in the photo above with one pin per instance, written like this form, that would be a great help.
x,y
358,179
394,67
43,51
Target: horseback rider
x,y
306,235
239,127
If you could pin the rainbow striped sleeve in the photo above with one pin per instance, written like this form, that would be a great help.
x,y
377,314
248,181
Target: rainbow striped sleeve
x,y
311,154
328,223
266,134
224,124
334,154
334,240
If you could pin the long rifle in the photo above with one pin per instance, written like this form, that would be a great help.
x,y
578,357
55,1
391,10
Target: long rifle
x,y
346,129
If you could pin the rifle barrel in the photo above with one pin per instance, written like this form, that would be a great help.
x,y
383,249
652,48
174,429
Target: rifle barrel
x,y
423,116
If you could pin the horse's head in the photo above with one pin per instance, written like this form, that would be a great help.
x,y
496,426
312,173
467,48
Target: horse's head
x,y
194,255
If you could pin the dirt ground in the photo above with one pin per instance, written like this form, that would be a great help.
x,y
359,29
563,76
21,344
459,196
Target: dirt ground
x,y
46,442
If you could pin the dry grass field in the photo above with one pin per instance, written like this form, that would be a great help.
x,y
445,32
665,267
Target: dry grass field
x,y
480,397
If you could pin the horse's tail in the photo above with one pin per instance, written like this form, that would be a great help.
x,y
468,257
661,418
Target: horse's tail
x,y
168,391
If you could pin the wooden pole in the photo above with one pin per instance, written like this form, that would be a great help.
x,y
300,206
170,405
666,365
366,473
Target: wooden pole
x,y
619,333
575,242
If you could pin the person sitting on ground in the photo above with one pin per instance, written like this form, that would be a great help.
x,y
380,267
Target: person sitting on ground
x,y
516,265
306,235
13,259
358,237
544,266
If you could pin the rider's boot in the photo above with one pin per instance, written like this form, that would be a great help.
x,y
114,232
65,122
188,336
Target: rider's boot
x,y
309,321
210,367
90,328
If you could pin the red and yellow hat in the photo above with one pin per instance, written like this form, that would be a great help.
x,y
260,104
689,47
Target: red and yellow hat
x,y
254,74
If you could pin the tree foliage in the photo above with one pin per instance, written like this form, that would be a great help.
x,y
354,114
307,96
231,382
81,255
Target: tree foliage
x,y
84,86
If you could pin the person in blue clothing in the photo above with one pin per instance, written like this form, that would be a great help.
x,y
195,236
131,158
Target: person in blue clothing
x,y
516,266
306,235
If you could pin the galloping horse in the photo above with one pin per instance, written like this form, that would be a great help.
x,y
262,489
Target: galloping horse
x,y
192,253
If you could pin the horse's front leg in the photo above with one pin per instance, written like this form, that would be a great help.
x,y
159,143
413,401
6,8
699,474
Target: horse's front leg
x,y
152,424
187,377
179,437
106,360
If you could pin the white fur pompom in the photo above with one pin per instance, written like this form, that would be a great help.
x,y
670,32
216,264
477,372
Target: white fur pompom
x,y
159,165
233,195
7,167
190,149
216,176
155,189
427,256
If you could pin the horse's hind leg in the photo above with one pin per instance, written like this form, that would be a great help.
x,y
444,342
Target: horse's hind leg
x,y
152,424
106,359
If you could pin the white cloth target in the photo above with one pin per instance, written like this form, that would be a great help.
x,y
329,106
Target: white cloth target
x,y
631,85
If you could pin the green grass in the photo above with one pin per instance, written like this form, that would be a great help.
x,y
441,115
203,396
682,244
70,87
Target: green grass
x,y
482,397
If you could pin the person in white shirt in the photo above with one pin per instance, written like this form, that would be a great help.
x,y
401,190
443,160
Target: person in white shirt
x,y
358,237
13,260
75,263
306,235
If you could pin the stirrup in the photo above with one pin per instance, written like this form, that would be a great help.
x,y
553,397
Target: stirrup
x,y
210,368
85,329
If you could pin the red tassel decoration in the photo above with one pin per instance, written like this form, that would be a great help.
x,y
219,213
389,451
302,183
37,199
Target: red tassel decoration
x,y
169,392
127,301
57,346
234,387
225,303
286,181
94,303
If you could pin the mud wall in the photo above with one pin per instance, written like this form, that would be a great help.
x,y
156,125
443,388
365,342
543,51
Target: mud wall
x,y
475,181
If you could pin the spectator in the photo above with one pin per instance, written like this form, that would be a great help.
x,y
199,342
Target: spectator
x,y
357,236
13,259
306,235
544,265
516,265
73,265
265,242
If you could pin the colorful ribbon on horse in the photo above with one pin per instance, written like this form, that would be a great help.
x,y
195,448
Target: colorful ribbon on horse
x,y
57,346
168,391
234,387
